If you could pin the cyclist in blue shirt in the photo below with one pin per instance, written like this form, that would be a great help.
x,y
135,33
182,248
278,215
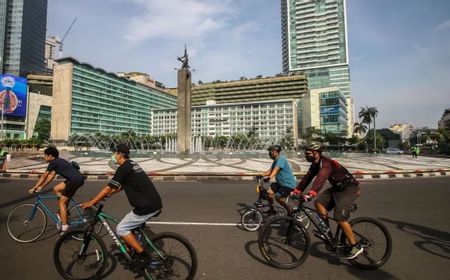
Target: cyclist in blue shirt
x,y
285,181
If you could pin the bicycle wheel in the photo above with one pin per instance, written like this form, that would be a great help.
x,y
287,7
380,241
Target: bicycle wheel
x,y
251,220
375,239
26,222
73,265
174,257
284,242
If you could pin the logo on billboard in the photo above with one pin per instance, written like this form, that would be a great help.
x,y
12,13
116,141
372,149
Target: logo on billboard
x,y
13,95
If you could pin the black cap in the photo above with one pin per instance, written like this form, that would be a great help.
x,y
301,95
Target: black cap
x,y
122,148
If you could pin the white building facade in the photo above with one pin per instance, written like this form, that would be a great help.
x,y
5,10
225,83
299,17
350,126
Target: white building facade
x,y
267,119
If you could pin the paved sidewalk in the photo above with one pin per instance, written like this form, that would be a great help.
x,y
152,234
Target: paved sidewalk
x,y
204,167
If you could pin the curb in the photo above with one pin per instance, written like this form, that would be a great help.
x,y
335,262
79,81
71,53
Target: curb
x,y
202,176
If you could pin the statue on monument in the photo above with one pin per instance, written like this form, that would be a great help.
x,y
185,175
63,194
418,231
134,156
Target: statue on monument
x,y
184,59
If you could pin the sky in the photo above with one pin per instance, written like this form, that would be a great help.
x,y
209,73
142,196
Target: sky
x,y
399,50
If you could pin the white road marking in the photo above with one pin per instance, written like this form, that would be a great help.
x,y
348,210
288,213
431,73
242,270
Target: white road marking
x,y
193,224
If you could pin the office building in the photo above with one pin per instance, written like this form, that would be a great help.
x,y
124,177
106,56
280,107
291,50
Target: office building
x,y
314,42
39,101
52,46
92,100
23,25
249,90
324,109
267,119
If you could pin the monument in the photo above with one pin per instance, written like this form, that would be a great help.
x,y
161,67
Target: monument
x,y
184,105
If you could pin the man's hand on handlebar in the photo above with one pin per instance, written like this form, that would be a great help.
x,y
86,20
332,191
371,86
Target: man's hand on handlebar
x,y
87,204
266,179
296,193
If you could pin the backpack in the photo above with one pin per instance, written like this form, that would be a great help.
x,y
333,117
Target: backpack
x,y
75,165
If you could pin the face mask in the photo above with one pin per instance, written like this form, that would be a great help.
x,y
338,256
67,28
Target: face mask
x,y
310,158
113,158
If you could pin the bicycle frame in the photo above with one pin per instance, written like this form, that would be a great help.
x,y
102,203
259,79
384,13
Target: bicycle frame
x,y
40,202
309,212
105,219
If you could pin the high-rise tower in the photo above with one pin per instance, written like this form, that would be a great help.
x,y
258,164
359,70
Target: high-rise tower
x,y
23,25
314,41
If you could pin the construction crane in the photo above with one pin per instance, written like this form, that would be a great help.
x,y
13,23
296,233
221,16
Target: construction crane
x,y
64,37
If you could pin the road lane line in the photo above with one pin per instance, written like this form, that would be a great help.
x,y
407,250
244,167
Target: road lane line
x,y
193,224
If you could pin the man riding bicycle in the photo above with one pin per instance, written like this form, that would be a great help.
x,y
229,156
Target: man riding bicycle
x,y
341,196
64,190
141,194
285,179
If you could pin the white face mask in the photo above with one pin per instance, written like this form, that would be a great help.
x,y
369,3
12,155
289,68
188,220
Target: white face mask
x,y
113,158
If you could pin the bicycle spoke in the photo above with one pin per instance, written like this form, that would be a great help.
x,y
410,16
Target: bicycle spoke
x,y
74,260
26,223
375,240
283,242
175,258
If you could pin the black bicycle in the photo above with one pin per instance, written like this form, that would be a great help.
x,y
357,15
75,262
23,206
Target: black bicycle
x,y
253,218
285,243
172,255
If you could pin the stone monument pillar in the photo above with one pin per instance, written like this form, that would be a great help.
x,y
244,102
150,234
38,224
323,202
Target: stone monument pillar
x,y
184,106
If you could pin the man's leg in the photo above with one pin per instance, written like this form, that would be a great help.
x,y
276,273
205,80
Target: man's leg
x,y
62,203
58,189
347,229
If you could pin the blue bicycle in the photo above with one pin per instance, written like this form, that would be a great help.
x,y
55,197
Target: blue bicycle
x,y
28,221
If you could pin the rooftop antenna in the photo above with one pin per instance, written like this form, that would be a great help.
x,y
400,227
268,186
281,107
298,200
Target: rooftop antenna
x,y
64,37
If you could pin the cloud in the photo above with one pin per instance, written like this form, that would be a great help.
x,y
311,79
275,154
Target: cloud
x,y
442,26
177,19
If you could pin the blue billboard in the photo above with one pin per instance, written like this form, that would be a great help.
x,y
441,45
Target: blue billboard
x,y
13,96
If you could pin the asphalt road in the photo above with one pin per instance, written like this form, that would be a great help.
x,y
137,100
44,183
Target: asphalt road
x,y
416,212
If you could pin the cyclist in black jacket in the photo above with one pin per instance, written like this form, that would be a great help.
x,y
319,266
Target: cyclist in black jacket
x,y
341,196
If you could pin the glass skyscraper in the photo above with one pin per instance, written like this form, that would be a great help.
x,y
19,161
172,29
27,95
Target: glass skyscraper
x,y
23,25
314,41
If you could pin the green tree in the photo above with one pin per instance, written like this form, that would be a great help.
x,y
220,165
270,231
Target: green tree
x,y
359,128
42,130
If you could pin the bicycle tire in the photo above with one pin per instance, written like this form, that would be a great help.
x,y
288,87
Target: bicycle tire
x,y
281,250
176,258
73,267
21,228
251,220
376,242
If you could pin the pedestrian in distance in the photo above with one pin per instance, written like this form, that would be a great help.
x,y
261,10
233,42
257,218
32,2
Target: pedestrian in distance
x,y
64,190
3,154
285,180
414,151
141,194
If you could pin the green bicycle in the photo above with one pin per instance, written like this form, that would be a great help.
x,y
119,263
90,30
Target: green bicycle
x,y
173,256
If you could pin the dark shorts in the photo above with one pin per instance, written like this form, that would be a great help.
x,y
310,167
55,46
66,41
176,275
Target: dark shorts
x,y
280,191
71,187
341,201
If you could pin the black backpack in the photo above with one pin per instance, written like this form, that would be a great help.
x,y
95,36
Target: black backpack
x,y
75,165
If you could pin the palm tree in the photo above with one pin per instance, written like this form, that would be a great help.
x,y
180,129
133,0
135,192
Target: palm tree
x,y
364,115
359,128
373,112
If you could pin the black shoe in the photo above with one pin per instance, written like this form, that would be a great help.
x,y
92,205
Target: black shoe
x,y
140,261
270,212
353,252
